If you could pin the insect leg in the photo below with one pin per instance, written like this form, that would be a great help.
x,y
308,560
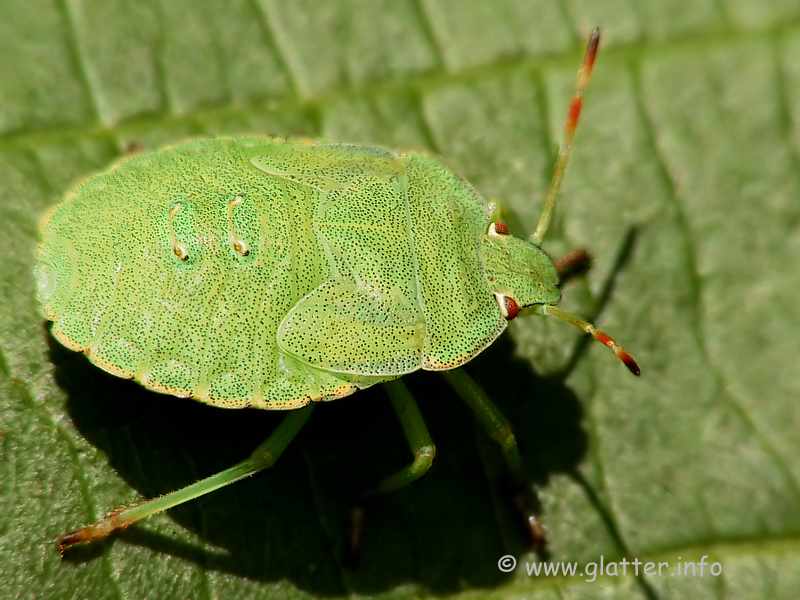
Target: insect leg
x,y
499,429
573,263
263,457
419,440
421,446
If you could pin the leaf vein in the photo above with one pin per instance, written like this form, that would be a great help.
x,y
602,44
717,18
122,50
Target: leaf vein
x,y
275,39
696,289
81,65
428,79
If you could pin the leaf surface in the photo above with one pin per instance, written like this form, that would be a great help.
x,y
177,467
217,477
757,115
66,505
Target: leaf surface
x,y
684,186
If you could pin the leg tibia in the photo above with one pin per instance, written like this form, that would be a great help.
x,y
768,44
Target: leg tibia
x,y
263,457
423,459
416,433
489,416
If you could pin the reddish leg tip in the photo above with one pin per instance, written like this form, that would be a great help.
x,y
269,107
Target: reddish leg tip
x,y
355,535
538,536
73,538
573,263
528,507
92,533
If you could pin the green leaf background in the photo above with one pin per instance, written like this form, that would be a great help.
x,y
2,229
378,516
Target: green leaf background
x,y
684,186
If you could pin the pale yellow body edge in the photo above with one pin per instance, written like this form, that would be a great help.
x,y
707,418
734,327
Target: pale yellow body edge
x,y
255,401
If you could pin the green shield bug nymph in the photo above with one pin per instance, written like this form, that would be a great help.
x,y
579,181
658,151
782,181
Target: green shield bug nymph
x,y
272,273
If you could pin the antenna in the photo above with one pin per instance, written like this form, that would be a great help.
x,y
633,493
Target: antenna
x,y
570,125
600,336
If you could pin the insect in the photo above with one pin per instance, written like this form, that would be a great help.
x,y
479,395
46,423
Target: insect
x,y
274,273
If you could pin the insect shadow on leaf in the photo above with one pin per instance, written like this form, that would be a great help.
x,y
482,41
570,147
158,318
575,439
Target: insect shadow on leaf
x,y
289,522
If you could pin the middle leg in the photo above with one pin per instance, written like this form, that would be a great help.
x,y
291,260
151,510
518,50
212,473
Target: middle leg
x,y
416,433
422,449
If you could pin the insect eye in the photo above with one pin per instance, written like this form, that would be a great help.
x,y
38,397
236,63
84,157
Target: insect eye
x,y
508,306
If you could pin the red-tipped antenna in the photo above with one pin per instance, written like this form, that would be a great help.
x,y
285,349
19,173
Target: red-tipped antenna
x,y
600,336
570,125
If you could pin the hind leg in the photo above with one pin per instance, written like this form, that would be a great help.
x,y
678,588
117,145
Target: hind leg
x,y
263,457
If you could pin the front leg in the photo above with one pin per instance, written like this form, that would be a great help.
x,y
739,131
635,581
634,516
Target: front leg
x,y
573,263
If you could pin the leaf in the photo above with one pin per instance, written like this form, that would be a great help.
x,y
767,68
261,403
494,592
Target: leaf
x,y
684,187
